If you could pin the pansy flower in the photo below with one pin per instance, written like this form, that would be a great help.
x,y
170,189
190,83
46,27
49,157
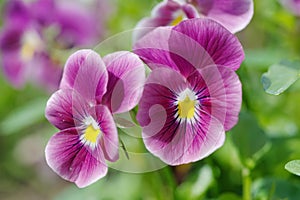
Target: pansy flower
x,y
34,32
91,91
292,5
235,15
193,94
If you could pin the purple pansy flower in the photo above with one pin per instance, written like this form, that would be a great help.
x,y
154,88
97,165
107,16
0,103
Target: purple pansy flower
x,y
33,33
91,91
235,15
193,94
292,5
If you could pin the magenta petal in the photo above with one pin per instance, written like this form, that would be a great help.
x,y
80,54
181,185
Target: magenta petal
x,y
86,73
109,141
235,15
220,93
71,160
183,142
222,47
126,79
155,50
66,108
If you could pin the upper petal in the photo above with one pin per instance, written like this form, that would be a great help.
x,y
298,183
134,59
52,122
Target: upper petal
x,y
219,44
86,73
235,15
126,79
70,159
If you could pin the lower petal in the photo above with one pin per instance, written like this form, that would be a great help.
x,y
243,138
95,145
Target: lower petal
x,y
71,160
183,141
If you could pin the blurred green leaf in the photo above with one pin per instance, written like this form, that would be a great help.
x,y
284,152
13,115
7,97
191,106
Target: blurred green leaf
x,y
262,58
24,116
194,188
280,77
275,189
229,196
293,167
249,139
123,186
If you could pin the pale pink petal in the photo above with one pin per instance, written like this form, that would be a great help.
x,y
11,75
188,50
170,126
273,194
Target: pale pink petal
x,y
72,160
109,140
86,73
126,79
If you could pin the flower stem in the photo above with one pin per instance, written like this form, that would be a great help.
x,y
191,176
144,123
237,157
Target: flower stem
x,y
246,183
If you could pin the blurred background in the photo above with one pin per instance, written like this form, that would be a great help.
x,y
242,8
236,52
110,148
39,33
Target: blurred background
x,y
250,164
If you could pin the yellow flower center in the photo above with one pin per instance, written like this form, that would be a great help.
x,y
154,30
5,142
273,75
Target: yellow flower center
x,y
91,134
31,43
186,104
186,108
177,20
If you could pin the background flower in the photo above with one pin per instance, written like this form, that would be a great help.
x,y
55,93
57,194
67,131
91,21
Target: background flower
x,y
36,34
235,15
292,5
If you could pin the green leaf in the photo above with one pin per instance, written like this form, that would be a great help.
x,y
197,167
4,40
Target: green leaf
x,y
280,77
23,117
293,167
250,140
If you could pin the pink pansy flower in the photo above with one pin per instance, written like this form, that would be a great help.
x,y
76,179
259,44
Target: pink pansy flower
x,y
235,15
193,94
36,33
91,90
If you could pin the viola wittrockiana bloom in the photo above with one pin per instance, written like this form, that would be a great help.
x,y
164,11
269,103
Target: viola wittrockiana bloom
x,y
36,34
91,91
193,94
235,15
292,5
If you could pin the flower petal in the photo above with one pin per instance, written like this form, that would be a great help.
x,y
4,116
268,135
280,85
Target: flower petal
x,y
68,14
126,79
66,109
222,47
154,49
234,15
86,73
184,142
109,141
10,45
219,92
70,159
